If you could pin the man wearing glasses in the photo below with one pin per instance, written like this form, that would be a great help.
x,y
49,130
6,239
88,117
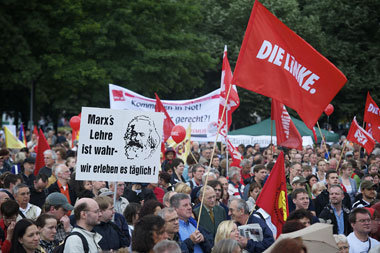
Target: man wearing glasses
x,y
359,241
87,214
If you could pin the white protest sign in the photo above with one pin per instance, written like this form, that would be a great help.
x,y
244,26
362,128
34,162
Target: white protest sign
x,y
201,112
119,145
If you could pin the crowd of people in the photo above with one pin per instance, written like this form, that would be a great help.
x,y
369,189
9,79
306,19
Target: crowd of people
x,y
53,212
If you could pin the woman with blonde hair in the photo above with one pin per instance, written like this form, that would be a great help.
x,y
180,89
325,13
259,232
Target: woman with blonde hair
x,y
227,230
182,188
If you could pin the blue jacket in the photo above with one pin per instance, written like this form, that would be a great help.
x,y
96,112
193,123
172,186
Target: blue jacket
x,y
206,245
267,241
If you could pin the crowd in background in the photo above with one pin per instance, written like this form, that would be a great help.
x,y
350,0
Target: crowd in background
x,y
53,212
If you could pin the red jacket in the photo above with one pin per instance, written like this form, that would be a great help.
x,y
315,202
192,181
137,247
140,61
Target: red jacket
x,y
5,245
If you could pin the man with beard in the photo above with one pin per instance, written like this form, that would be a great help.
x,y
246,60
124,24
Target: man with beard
x,y
369,193
336,212
87,214
141,138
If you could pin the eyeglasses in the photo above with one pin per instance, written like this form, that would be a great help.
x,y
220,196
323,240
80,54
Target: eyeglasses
x,y
343,247
96,211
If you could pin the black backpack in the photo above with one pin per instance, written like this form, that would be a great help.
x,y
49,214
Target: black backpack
x,y
60,248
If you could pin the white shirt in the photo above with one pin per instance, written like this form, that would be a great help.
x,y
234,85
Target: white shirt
x,y
357,246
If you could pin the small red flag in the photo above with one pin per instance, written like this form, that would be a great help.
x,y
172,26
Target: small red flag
x,y
360,136
373,130
35,130
286,132
42,146
274,197
372,111
233,98
275,62
235,154
168,122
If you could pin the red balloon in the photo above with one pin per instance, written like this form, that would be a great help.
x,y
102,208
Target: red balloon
x,y
178,133
329,109
75,123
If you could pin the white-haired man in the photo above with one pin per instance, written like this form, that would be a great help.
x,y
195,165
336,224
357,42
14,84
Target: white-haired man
x,y
50,158
62,172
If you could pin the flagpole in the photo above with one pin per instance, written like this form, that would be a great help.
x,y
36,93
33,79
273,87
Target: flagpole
x,y
226,139
195,159
341,154
324,141
271,131
212,154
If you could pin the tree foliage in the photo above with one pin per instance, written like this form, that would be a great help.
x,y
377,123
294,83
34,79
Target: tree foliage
x,y
70,50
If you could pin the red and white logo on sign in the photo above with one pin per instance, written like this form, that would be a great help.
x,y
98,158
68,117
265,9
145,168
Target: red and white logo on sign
x,y
360,137
118,95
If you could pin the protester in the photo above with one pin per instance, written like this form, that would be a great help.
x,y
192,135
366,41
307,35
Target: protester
x,y
348,183
227,230
235,188
195,240
9,210
112,237
178,166
197,171
58,206
121,202
50,158
368,190
336,212
211,215
239,212
26,237
62,172
27,210
47,225
359,240
148,231
150,207
87,214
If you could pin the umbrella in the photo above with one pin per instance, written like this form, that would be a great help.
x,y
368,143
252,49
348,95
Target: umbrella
x,y
317,238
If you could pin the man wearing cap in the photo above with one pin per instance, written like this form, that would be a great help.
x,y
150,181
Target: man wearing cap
x,y
28,173
57,205
368,190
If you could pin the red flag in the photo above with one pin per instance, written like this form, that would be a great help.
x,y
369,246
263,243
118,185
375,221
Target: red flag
x,y
359,136
286,132
372,111
235,154
373,130
233,98
277,63
168,122
35,130
42,146
273,197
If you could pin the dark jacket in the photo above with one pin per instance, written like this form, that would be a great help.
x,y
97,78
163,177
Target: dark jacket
x,y
206,245
175,179
45,170
54,188
267,241
328,214
205,220
113,238
121,222
323,200
145,194
37,198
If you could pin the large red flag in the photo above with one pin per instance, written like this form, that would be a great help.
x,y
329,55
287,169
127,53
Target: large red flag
x,y
274,197
168,122
286,132
275,62
233,98
358,135
42,146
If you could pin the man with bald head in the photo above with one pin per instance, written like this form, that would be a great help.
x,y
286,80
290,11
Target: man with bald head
x,y
87,214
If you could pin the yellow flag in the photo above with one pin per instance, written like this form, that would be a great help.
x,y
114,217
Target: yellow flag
x,y
11,141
